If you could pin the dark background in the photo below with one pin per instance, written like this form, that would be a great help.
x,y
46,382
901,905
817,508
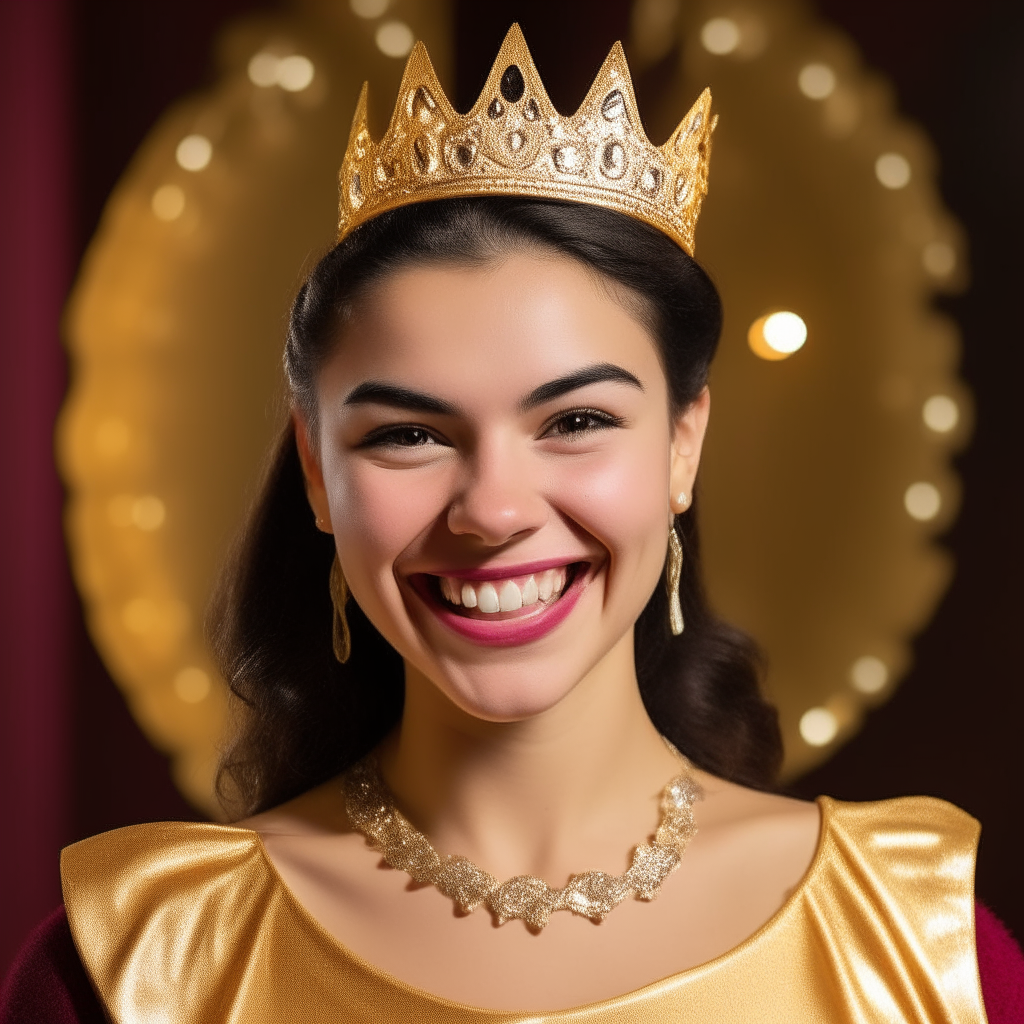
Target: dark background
x,y
953,728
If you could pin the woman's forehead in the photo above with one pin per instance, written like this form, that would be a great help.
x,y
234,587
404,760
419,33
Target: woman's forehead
x,y
507,324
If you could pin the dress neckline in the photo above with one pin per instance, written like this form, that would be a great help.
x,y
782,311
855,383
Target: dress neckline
x,y
576,1013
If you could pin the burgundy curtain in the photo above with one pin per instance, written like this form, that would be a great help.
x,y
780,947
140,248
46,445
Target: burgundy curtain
x,y
35,596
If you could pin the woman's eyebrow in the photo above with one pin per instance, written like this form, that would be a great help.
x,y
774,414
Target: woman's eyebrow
x,y
382,393
595,374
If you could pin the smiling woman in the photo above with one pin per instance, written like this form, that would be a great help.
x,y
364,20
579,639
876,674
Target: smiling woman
x,y
542,450
468,641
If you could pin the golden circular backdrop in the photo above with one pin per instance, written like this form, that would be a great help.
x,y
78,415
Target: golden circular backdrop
x,y
836,405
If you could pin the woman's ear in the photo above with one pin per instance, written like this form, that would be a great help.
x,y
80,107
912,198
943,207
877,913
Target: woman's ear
x,y
688,432
316,492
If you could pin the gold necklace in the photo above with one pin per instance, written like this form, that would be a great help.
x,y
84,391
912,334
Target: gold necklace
x,y
594,894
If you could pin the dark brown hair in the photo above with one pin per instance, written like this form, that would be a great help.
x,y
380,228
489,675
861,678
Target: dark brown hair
x,y
305,716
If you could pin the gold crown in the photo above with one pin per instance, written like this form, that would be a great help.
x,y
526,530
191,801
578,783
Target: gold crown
x,y
514,143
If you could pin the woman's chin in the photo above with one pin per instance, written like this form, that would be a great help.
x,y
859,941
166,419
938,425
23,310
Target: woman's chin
x,y
495,699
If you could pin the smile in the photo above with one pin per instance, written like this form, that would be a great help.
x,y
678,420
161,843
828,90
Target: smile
x,y
504,595
504,606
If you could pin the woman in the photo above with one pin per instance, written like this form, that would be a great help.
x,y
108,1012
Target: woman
x,y
467,630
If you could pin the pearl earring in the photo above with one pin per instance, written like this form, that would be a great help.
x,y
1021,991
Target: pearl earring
x,y
683,501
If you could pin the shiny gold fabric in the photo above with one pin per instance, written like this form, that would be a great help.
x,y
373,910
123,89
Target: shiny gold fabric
x,y
190,923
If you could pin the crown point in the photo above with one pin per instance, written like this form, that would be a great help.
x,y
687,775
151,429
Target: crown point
x,y
360,115
514,142
514,33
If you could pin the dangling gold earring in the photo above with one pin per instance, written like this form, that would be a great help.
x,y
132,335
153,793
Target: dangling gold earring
x,y
341,636
673,571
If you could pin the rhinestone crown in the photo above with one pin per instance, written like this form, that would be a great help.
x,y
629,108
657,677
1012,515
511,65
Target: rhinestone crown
x,y
514,143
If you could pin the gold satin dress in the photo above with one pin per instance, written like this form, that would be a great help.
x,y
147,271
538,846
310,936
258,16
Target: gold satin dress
x,y
190,923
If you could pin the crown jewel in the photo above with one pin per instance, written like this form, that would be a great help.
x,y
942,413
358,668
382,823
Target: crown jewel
x,y
514,143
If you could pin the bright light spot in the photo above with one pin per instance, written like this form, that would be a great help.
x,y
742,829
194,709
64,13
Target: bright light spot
x,y
917,840
720,36
784,332
194,152
939,259
163,620
140,616
960,980
192,685
263,68
893,170
168,202
869,674
875,992
395,39
148,512
817,81
112,437
369,8
818,727
777,336
922,501
294,73
940,414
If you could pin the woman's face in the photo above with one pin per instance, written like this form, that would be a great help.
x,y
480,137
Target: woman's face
x,y
497,462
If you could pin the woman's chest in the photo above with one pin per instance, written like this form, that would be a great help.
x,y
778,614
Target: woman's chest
x,y
708,906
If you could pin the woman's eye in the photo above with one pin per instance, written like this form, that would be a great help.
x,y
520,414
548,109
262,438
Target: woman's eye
x,y
400,437
581,421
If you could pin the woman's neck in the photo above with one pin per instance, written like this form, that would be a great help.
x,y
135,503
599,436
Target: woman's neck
x,y
542,796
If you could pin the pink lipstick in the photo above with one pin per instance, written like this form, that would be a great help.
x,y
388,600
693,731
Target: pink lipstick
x,y
506,629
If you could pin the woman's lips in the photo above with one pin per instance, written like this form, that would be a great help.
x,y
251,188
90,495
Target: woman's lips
x,y
504,610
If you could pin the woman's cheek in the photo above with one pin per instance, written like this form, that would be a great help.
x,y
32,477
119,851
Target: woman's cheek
x,y
617,499
376,514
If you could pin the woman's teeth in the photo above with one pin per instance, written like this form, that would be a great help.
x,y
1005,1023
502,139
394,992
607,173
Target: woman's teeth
x,y
504,595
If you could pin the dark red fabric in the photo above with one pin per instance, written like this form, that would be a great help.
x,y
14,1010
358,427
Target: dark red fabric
x,y
35,592
1001,965
47,983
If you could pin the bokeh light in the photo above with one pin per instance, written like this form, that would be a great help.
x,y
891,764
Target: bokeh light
x,y
192,685
295,73
777,335
369,8
395,39
817,81
922,501
112,437
146,512
940,413
168,202
818,727
292,73
869,674
194,152
893,170
262,69
720,36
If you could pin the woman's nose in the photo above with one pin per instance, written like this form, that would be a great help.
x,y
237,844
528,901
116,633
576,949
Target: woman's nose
x,y
498,497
